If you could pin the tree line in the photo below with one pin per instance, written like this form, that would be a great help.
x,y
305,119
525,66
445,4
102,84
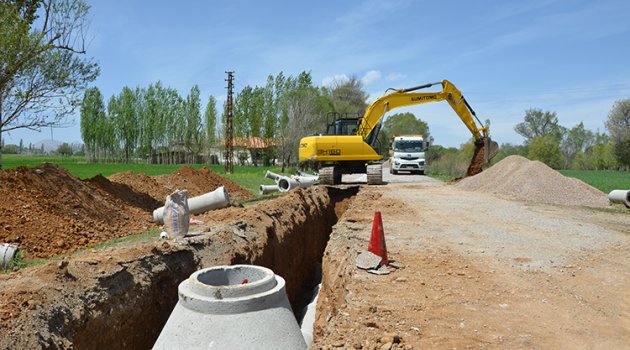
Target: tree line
x,y
546,140
157,124
576,148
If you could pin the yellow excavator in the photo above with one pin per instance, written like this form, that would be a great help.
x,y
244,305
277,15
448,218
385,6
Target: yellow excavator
x,y
350,144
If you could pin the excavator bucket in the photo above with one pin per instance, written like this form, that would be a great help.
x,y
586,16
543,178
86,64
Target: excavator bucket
x,y
491,149
484,151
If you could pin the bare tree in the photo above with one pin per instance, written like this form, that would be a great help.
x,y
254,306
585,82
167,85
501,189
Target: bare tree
x,y
42,68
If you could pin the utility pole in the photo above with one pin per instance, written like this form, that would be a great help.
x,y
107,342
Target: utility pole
x,y
229,129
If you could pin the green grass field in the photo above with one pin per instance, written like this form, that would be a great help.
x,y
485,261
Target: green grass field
x,y
604,180
249,177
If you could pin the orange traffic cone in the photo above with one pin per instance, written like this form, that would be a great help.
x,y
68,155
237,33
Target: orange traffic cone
x,y
377,241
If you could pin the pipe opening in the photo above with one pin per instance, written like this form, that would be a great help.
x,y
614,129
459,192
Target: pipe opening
x,y
226,276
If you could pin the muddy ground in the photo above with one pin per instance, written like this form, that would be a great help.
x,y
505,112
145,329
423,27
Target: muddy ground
x,y
479,270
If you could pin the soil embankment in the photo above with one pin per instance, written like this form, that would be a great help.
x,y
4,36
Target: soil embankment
x,y
121,297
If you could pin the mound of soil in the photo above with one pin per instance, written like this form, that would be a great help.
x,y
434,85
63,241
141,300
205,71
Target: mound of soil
x,y
142,183
201,181
197,182
520,178
47,212
126,193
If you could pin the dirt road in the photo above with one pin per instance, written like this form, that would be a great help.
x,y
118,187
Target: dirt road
x,y
479,272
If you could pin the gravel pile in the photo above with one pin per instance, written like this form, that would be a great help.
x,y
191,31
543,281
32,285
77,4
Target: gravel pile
x,y
520,178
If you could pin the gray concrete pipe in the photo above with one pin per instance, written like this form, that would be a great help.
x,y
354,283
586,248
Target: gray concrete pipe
x,y
232,307
620,196
265,189
303,174
285,183
7,253
272,176
308,321
216,199
288,183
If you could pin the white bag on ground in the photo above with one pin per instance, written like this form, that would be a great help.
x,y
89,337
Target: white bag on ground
x,y
176,214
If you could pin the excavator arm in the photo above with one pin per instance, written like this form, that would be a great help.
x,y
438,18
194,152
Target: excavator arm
x,y
485,148
406,97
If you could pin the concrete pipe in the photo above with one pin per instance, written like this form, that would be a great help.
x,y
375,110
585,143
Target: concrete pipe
x,y
216,199
272,176
7,253
303,174
620,196
232,307
308,321
285,184
265,189
288,183
305,181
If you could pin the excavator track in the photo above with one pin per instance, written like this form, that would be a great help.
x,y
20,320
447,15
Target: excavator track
x,y
375,174
329,176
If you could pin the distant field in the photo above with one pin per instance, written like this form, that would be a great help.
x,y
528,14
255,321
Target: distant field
x,y
604,180
249,177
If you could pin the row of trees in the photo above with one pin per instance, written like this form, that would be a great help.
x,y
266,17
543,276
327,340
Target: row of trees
x,y
577,147
141,123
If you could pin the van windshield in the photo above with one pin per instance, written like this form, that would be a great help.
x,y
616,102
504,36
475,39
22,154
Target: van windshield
x,y
408,146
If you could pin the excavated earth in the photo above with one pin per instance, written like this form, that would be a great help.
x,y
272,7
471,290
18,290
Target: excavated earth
x,y
120,297
478,266
48,212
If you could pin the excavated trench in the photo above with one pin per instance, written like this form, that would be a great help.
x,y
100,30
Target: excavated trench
x,y
122,299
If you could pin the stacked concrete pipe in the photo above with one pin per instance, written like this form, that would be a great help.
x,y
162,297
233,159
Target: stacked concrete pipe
x,y
232,307
272,176
286,183
303,174
620,196
216,199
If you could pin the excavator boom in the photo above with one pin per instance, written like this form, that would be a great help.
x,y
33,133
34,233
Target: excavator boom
x,y
406,97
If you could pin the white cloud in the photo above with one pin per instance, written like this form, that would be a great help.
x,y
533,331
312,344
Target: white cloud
x,y
337,78
370,77
395,76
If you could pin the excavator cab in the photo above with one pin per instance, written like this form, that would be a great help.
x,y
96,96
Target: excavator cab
x,y
343,123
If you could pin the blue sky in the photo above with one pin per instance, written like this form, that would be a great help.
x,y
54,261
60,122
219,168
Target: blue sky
x,y
570,57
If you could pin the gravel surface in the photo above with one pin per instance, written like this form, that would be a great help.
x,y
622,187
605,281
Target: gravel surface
x,y
519,178
481,271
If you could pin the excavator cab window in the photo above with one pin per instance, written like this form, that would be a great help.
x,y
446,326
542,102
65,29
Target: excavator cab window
x,y
343,127
343,124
